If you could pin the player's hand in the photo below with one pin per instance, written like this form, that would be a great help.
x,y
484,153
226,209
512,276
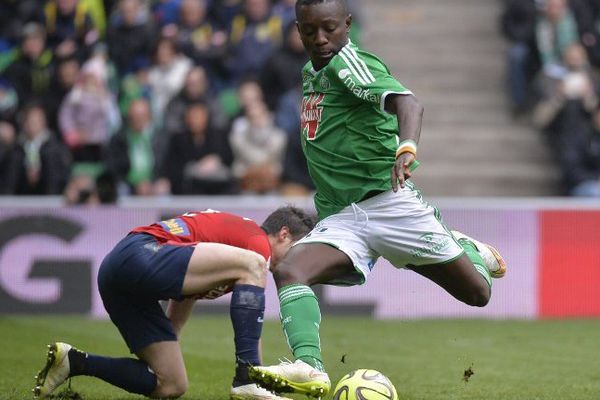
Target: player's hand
x,y
401,170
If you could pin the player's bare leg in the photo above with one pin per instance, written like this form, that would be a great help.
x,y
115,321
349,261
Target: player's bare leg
x,y
214,264
304,265
469,278
460,279
166,361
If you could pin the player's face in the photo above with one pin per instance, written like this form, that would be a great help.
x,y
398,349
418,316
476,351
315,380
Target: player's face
x,y
278,251
324,30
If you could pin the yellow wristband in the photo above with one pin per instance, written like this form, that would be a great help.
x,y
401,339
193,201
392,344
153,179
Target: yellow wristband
x,y
407,146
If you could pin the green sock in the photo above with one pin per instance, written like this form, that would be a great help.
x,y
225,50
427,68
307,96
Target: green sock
x,y
301,318
475,257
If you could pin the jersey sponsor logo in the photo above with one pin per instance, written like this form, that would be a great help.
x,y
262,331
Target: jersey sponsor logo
x,y
361,93
311,114
175,226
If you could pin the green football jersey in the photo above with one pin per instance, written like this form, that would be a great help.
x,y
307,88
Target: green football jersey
x,y
348,139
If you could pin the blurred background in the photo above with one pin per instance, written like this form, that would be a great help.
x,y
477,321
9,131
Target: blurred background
x,y
117,113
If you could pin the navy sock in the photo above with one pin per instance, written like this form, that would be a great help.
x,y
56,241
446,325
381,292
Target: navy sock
x,y
247,310
132,375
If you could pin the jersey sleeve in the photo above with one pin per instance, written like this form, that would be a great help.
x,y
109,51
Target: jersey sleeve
x,y
365,76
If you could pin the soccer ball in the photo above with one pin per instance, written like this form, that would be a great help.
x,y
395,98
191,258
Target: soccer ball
x,y
365,384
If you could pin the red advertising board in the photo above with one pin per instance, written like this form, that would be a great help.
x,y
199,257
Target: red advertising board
x,y
569,264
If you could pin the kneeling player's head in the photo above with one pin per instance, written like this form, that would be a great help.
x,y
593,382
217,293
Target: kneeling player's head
x,y
323,27
297,221
284,227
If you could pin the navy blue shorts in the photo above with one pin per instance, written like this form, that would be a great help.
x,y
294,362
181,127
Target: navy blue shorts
x,y
132,279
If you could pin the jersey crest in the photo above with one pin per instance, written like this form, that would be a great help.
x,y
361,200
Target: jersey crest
x,y
311,114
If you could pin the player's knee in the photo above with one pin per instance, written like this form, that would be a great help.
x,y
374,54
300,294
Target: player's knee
x,y
255,272
479,296
286,275
171,389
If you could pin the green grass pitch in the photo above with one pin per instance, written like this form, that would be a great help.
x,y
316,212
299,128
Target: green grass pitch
x,y
425,359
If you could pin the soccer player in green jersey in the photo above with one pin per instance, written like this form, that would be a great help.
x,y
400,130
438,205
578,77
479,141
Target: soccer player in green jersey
x,y
360,129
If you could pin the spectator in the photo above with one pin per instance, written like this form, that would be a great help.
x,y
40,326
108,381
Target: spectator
x,y
580,154
250,92
283,70
89,114
195,89
258,149
9,102
587,15
131,154
518,26
195,161
31,70
166,77
81,190
13,15
9,166
64,79
166,12
286,10
10,25
555,31
43,161
131,35
254,35
224,11
295,178
69,27
201,40
571,93
135,85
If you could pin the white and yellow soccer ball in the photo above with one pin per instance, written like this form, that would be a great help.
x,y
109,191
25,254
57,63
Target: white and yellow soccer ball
x,y
365,384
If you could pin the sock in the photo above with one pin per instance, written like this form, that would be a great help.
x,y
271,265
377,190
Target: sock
x,y
247,309
476,259
301,319
132,375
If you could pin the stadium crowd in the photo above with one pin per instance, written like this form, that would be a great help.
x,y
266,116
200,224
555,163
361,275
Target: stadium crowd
x,y
101,99
554,65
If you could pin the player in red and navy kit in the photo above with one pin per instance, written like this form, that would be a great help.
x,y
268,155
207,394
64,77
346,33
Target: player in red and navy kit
x,y
197,255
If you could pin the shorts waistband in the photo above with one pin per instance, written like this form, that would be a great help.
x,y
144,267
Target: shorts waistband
x,y
371,194
374,198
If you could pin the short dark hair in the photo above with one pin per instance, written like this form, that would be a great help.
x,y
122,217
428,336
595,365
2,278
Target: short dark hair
x,y
300,3
297,221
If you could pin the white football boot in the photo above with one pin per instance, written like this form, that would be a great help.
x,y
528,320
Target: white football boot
x,y
292,377
252,391
492,258
55,372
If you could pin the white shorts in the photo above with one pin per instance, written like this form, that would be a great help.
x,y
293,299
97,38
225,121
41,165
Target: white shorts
x,y
400,227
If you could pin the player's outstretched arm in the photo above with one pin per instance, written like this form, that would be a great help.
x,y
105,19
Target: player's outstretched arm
x,y
410,116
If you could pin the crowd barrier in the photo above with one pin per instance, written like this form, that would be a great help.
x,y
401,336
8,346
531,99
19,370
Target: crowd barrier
x,y
50,254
